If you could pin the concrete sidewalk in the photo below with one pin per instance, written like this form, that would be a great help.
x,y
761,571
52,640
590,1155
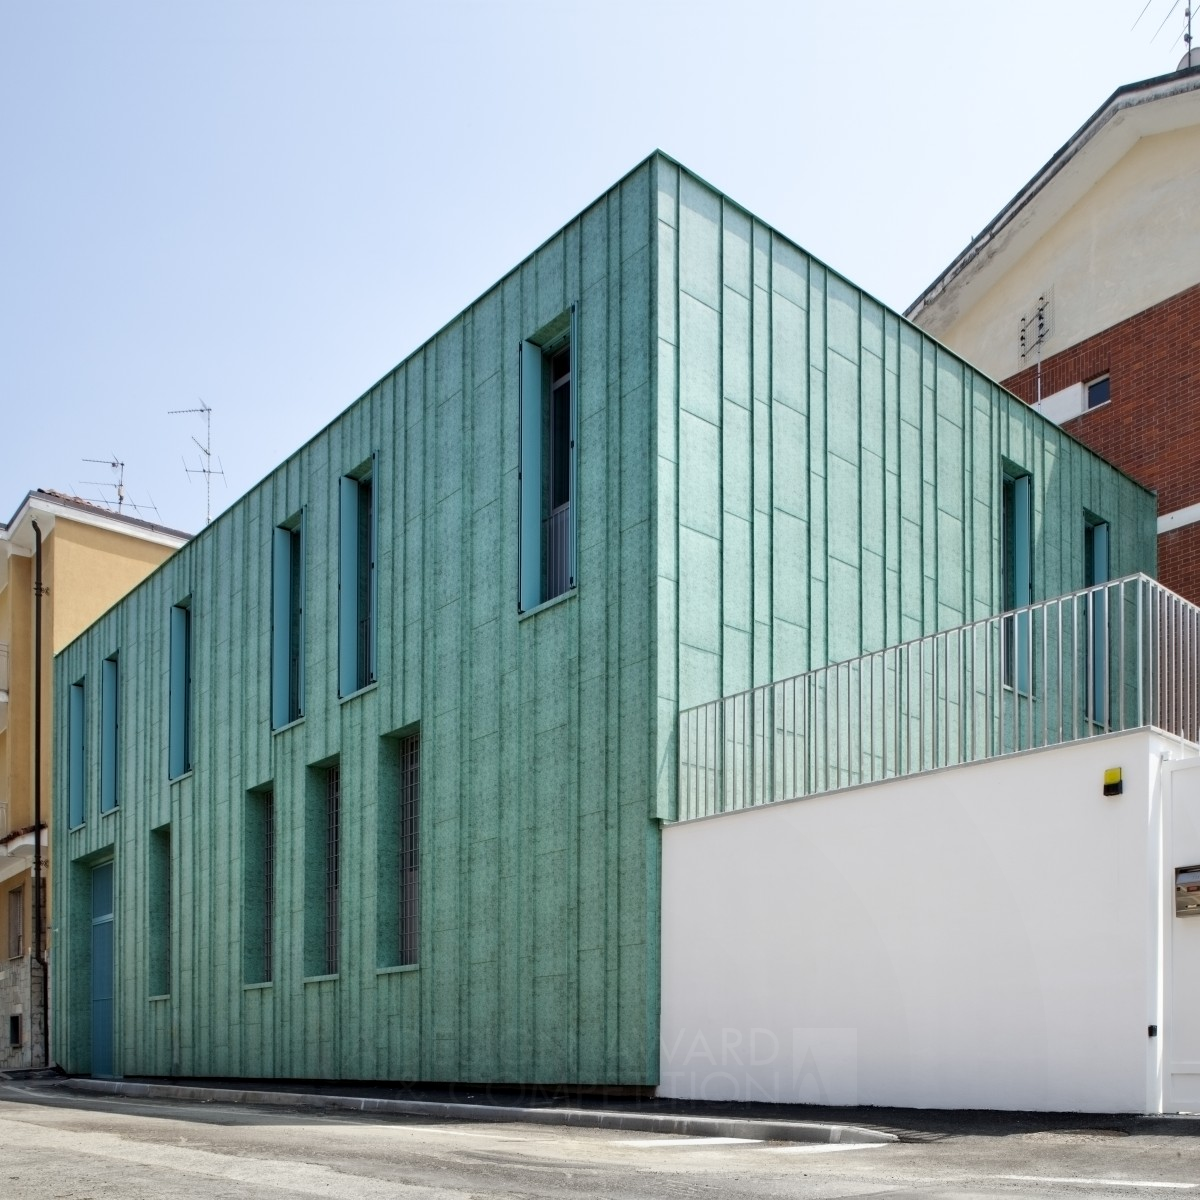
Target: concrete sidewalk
x,y
448,1110
632,1111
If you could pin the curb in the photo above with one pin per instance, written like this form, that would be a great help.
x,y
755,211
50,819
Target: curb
x,y
585,1118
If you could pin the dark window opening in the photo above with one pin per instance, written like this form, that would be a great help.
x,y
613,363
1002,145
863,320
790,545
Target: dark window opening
x,y
357,627
287,626
1097,392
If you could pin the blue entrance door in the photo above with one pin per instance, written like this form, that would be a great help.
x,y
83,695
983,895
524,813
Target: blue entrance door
x,y
102,969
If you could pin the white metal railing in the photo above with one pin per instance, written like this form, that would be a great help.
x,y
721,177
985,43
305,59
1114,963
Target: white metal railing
x,y
1118,656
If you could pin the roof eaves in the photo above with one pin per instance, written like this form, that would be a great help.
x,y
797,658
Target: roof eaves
x,y
1124,97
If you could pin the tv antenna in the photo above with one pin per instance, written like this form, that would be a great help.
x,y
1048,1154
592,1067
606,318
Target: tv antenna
x,y
119,487
206,467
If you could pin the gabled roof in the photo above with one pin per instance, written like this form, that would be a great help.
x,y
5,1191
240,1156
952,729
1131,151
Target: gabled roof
x,y
1134,111
49,503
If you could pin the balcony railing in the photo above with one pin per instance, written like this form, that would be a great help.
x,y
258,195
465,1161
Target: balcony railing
x,y
1119,656
556,532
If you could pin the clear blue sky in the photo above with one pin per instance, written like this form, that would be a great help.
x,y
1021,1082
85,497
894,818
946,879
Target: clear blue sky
x,y
267,205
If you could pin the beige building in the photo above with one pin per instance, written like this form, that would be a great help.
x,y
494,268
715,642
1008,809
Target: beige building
x,y
90,557
1082,296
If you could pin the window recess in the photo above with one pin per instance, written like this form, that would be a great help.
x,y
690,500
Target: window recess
x,y
1097,571
109,734
180,706
357,587
1097,392
287,623
1017,570
76,760
548,457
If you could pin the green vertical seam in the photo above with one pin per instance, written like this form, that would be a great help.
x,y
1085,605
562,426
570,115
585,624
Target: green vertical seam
x,y
770,318
861,476
723,685
465,508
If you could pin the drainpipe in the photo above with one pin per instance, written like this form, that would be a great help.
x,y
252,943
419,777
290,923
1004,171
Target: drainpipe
x,y
38,900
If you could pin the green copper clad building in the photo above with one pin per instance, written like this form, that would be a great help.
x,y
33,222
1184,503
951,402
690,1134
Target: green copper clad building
x,y
367,780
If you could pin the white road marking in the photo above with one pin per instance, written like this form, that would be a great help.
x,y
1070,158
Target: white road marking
x,y
1132,1183
830,1148
673,1140
475,1133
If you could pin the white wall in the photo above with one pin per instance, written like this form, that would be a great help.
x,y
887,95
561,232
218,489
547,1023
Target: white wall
x,y
979,937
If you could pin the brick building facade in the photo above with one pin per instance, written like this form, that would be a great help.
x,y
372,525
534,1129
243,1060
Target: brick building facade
x,y
1150,424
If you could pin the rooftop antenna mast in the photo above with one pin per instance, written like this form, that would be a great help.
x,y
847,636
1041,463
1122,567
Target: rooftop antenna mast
x,y
206,467
118,466
119,487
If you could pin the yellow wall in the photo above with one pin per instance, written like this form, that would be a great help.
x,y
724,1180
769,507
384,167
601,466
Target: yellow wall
x,y
87,570
93,569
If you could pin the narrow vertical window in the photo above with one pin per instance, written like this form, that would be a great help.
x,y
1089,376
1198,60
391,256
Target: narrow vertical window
x,y
1097,571
357,631
180,715
16,922
287,625
410,850
158,878
1016,565
547,475
333,801
322,870
109,735
76,763
259,886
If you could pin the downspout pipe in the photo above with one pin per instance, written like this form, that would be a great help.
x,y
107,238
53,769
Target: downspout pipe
x,y
38,897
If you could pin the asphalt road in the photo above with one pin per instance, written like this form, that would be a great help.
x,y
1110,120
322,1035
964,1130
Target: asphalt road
x,y
75,1147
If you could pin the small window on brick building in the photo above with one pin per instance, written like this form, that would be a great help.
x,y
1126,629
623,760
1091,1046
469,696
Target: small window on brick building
x,y
1097,392
14,1029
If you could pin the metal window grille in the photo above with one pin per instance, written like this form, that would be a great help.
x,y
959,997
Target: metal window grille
x,y
268,877
164,932
556,531
410,850
16,922
556,526
333,792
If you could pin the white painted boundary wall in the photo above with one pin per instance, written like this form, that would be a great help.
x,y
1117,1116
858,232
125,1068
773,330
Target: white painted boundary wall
x,y
987,936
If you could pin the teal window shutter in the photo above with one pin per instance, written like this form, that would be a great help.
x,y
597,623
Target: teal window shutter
x,y
298,611
180,706
348,587
109,726
76,765
281,627
529,476
573,534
